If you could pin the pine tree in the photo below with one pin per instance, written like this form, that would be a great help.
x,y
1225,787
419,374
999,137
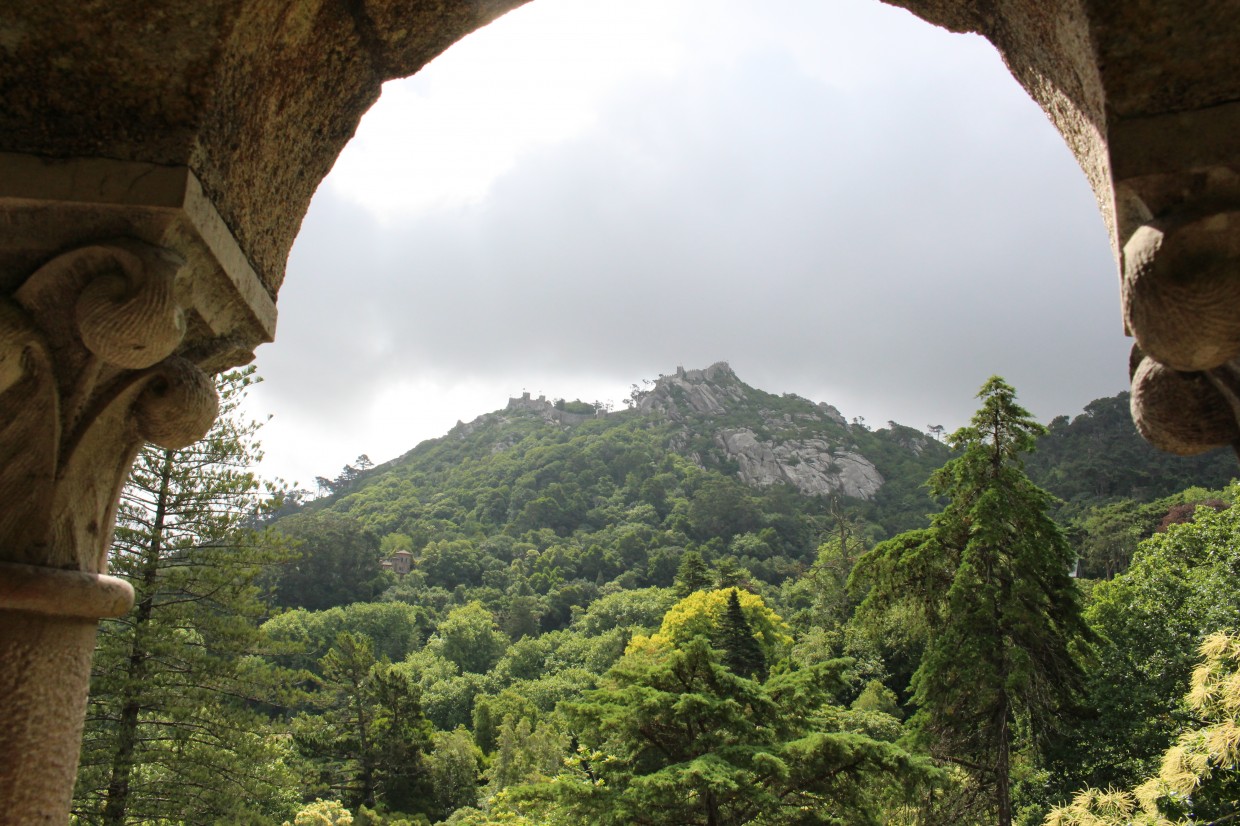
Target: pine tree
x,y
369,736
741,652
989,581
672,736
170,732
692,575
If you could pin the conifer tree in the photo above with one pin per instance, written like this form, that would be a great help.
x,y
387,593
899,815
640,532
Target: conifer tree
x,y
990,582
672,736
170,733
369,737
692,575
741,652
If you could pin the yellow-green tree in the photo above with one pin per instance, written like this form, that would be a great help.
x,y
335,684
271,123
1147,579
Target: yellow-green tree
x,y
702,613
1199,782
675,736
323,813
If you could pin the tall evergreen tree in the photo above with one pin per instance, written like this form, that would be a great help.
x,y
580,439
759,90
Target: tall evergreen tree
x,y
368,738
692,575
170,734
741,652
990,580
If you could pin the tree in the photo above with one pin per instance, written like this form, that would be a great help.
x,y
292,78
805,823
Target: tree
x,y
741,651
338,562
673,736
170,733
989,581
370,737
1151,620
692,575
833,603
323,813
1199,779
471,639
454,767
704,614
525,752
730,574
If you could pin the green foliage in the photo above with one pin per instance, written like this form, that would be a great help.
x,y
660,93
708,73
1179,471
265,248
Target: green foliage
x,y
545,548
988,585
525,752
692,575
1100,455
450,702
338,562
1199,777
393,629
171,728
1151,621
1105,536
821,596
722,507
675,737
704,613
876,697
453,764
639,608
576,406
323,813
471,638
368,736
741,652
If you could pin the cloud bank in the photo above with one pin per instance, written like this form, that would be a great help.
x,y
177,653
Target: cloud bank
x,y
842,202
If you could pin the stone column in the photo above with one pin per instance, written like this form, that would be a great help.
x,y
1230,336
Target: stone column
x,y
121,291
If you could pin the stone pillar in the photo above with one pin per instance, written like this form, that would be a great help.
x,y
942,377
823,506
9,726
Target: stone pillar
x,y
156,158
121,291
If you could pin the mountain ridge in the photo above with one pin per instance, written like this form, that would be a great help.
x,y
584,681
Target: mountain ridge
x,y
762,438
716,422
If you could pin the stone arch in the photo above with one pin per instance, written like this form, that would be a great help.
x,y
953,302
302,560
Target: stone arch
x,y
156,159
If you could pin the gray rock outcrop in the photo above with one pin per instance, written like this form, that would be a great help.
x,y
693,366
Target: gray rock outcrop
x,y
812,466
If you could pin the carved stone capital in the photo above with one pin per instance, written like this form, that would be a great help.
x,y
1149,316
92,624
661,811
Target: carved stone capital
x,y
1181,302
121,290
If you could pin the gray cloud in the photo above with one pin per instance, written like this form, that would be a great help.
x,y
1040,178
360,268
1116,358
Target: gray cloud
x,y
884,251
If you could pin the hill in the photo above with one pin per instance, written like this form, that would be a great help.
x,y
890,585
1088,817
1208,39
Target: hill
x,y
1098,456
698,461
552,561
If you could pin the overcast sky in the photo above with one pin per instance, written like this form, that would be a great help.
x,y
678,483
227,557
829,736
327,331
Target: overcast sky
x,y
835,197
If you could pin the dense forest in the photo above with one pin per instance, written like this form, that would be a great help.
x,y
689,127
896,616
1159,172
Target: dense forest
x,y
716,606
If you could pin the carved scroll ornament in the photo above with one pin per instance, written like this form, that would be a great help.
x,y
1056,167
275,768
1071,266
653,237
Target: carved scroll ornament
x,y
1181,292
88,372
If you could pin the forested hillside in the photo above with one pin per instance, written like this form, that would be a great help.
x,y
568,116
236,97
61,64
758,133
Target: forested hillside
x,y
656,615
1099,456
